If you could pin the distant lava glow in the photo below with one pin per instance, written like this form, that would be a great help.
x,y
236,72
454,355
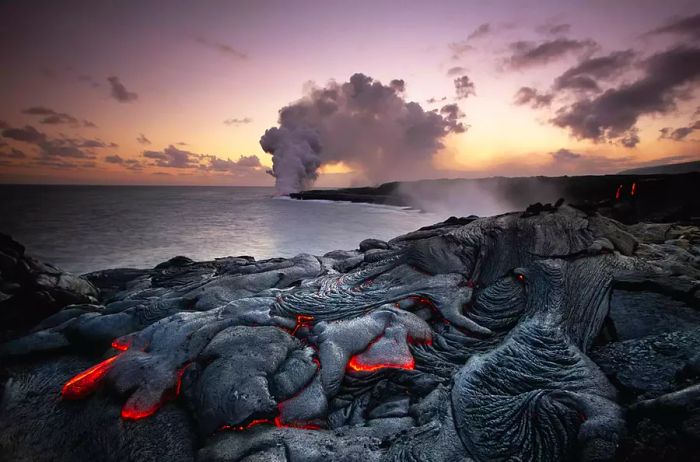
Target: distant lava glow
x,y
87,381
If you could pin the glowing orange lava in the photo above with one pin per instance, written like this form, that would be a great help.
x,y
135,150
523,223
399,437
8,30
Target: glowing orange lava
x,y
356,365
87,381
302,321
251,424
133,413
305,426
121,345
618,192
633,191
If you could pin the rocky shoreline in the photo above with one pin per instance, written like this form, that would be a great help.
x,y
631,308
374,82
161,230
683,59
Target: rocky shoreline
x,y
660,198
555,333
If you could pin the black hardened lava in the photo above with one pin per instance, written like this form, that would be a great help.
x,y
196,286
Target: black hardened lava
x,y
556,334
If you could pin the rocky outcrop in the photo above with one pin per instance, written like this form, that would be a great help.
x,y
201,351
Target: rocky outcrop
x,y
554,334
31,290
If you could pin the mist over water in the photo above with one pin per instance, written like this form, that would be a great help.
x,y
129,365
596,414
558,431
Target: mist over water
x,y
88,228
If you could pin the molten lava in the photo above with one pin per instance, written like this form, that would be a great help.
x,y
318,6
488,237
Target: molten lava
x,y
133,413
618,192
355,364
121,345
303,321
305,426
87,381
633,191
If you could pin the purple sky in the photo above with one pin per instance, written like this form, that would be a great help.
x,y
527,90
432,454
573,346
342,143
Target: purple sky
x,y
174,92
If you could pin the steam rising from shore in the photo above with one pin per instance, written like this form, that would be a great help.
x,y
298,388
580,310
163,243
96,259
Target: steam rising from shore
x,y
363,123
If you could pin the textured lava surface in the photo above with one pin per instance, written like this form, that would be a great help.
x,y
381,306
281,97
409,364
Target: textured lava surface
x,y
550,335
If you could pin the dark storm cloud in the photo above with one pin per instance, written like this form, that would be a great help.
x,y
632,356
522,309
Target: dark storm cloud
x,y
667,77
689,27
457,70
679,134
585,75
223,48
464,87
237,121
481,31
363,123
533,98
554,29
119,91
142,139
528,54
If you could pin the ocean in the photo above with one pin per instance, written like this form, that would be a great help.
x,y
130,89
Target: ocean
x,y
88,228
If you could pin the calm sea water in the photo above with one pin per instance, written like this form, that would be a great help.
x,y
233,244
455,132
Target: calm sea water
x,y
87,228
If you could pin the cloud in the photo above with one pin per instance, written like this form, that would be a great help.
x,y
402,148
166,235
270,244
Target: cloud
x,y
142,139
171,157
528,54
679,134
554,29
119,91
363,123
51,117
236,121
131,164
462,47
481,31
565,155
464,87
88,124
565,160
533,98
586,74
12,154
457,70
88,80
77,148
114,159
436,100
4,125
611,116
223,48
452,115
28,134
689,27
232,166
459,49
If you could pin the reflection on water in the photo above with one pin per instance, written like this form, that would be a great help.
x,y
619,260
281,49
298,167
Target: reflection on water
x,y
86,228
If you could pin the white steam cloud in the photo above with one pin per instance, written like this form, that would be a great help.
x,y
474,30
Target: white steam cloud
x,y
363,123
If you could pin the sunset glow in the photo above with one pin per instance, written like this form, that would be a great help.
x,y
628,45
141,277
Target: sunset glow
x,y
181,92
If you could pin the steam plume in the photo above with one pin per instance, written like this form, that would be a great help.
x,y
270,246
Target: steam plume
x,y
363,123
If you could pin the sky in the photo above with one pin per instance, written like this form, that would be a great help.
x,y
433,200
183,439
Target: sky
x,y
175,92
